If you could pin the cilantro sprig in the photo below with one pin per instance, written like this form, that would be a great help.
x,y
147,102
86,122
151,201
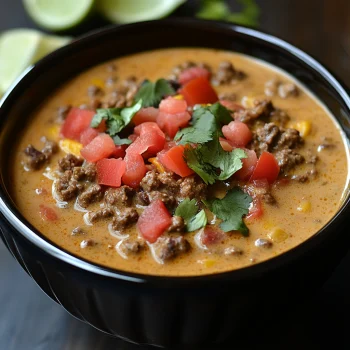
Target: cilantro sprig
x,y
152,93
188,210
231,210
116,120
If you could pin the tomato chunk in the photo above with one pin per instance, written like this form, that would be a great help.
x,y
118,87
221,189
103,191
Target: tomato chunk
x,y
119,151
171,123
232,106
225,144
199,91
110,172
150,141
148,114
102,146
76,122
193,73
47,213
88,135
173,106
256,210
135,169
266,168
248,167
211,236
154,221
173,159
237,133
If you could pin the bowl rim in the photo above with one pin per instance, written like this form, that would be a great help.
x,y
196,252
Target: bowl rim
x,y
31,234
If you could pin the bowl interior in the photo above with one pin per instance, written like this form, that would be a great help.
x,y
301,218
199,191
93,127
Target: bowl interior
x,y
44,78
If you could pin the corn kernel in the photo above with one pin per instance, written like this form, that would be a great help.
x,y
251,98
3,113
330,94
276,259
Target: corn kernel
x,y
70,146
178,97
277,235
98,83
207,262
304,206
247,102
157,164
54,131
304,127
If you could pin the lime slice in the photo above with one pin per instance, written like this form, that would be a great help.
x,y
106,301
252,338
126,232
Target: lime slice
x,y
19,48
128,11
58,15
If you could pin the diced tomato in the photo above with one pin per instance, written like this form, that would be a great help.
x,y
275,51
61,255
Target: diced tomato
x,y
76,122
232,106
171,123
256,210
88,135
119,151
102,146
135,169
47,213
266,168
173,159
132,137
148,114
172,106
199,91
248,167
102,127
110,172
150,142
237,133
226,146
211,235
154,220
193,73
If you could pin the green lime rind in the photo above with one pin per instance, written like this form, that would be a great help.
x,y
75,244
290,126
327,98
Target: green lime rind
x,y
58,15
123,11
19,48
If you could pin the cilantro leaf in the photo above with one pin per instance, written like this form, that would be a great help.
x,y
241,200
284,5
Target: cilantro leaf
x,y
187,209
152,93
206,122
231,210
219,10
118,141
116,118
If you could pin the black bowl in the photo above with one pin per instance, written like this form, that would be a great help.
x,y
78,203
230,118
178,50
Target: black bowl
x,y
167,310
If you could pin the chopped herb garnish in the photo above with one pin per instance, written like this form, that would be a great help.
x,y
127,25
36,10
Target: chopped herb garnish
x,y
116,119
231,210
188,209
218,10
118,141
152,93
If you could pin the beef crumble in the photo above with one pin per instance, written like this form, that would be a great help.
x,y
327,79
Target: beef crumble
x,y
35,158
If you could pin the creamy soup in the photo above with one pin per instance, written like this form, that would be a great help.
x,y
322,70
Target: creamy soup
x,y
239,185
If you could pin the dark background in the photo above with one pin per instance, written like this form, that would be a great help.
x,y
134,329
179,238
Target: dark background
x,y
29,320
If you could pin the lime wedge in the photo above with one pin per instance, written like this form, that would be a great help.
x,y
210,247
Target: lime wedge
x,y
58,15
128,11
19,48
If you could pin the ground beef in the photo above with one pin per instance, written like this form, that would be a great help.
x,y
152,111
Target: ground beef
x,y
263,243
77,231
177,70
62,113
169,181
36,159
228,96
167,198
50,147
125,218
142,198
101,214
261,109
287,159
92,194
290,138
310,174
177,224
279,118
192,187
169,247
151,181
87,172
87,243
227,74
69,162
116,99
121,196
66,187
94,91
130,246
232,250
284,90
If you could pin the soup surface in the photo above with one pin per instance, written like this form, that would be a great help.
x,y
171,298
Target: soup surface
x,y
184,208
